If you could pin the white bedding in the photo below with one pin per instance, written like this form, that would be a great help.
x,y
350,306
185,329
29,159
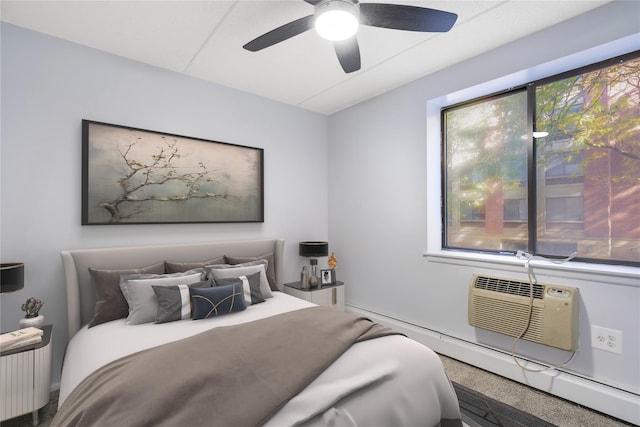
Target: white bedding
x,y
416,390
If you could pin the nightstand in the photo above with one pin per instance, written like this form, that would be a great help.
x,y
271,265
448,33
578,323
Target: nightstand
x,y
328,295
25,378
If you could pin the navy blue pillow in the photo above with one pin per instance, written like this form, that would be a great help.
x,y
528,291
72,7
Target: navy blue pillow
x,y
212,302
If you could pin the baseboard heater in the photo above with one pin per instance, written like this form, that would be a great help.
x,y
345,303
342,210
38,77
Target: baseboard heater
x,y
502,305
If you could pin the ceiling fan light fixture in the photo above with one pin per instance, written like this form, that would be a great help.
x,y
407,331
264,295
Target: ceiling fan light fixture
x,y
336,19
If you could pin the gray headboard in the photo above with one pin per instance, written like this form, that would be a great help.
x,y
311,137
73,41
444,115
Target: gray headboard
x,y
80,294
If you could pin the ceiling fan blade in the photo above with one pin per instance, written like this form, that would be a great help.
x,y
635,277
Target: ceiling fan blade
x,y
313,2
348,54
404,17
281,33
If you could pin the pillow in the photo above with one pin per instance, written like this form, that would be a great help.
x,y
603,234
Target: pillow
x,y
174,302
211,302
110,303
217,272
250,287
271,269
139,294
181,267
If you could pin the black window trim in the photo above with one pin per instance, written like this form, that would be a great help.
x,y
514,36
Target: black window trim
x,y
530,88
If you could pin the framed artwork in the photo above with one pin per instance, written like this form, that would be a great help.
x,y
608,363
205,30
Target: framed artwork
x,y
327,277
137,176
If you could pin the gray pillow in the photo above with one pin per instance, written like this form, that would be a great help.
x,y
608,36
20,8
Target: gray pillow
x,y
216,272
250,287
139,294
110,303
174,302
271,270
180,267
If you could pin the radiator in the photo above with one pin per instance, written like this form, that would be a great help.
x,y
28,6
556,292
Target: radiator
x,y
502,305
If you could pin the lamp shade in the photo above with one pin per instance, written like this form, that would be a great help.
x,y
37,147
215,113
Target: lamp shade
x,y
314,249
11,276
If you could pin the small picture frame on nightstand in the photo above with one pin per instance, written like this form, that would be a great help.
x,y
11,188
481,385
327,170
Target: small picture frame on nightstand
x,y
328,277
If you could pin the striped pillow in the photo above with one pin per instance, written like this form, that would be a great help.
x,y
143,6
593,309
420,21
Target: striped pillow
x,y
250,287
174,302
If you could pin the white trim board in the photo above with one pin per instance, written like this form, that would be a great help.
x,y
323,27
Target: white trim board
x,y
583,391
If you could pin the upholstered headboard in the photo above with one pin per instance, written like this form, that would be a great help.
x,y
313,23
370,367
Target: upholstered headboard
x,y
80,293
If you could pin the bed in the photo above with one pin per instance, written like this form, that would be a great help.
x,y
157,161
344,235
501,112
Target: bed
x,y
277,362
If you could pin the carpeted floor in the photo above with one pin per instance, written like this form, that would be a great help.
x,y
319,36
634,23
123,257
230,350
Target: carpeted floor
x,y
499,395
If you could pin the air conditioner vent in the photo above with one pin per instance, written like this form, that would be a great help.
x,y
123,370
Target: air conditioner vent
x,y
511,287
502,305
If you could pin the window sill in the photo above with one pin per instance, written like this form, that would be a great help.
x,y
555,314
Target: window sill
x,y
612,274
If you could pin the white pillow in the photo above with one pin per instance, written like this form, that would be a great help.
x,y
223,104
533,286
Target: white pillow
x,y
226,272
137,290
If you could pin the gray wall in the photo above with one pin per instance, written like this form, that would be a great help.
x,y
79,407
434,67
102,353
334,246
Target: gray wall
x,y
380,218
49,86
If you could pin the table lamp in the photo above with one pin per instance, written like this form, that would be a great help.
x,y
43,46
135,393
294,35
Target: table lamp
x,y
11,276
314,250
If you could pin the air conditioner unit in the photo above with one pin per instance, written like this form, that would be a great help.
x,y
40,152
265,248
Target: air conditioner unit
x,y
502,305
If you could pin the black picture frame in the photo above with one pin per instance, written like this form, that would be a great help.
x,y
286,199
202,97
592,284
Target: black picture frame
x,y
139,176
328,277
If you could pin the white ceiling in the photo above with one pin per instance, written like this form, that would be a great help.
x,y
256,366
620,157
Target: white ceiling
x,y
204,39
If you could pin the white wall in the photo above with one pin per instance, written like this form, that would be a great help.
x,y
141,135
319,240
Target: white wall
x,y
49,86
380,220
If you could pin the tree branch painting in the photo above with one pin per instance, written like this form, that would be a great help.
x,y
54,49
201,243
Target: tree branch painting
x,y
134,176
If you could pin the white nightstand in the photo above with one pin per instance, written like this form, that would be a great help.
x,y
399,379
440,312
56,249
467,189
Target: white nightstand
x,y
25,378
328,295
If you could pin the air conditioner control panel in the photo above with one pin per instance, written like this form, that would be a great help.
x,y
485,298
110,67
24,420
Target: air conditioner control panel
x,y
558,293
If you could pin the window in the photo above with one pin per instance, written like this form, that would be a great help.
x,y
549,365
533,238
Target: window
x,y
550,167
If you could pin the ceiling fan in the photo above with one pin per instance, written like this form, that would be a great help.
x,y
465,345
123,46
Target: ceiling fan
x,y
338,20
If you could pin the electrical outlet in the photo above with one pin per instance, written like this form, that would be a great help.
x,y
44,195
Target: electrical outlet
x,y
606,339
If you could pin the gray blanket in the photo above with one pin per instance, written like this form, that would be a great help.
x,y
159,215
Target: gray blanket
x,y
229,376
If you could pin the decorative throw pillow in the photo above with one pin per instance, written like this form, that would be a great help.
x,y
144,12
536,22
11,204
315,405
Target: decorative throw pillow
x,y
216,272
250,287
174,302
110,303
216,301
271,269
139,294
181,267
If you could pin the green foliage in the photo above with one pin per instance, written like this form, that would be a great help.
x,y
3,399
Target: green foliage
x,y
485,144
596,113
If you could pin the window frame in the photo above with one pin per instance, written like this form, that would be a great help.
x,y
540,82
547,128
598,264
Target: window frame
x,y
530,89
433,252
443,157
